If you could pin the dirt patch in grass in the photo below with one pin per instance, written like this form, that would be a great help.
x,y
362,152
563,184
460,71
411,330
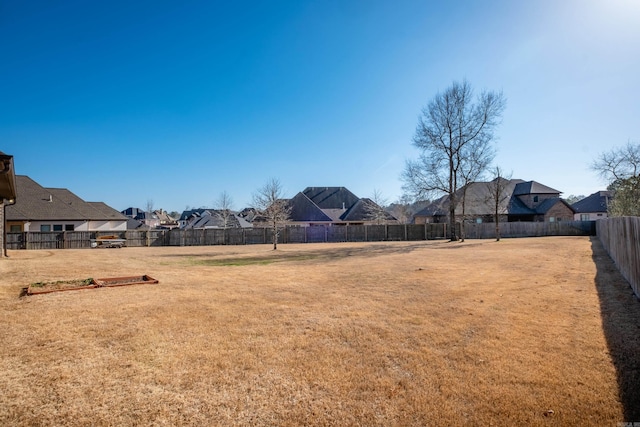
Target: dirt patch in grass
x,y
517,332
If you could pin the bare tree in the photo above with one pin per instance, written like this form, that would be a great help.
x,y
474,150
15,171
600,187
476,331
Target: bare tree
x,y
626,197
375,210
149,206
472,167
618,163
498,194
572,198
450,130
224,206
148,215
403,209
620,167
272,206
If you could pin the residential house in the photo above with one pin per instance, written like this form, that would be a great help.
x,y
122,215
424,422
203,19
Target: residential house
x,y
166,220
148,219
38,208
211,218
519,201
335,206
593,207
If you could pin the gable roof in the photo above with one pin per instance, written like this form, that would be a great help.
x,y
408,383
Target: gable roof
x,y
361,211
303,209
596,202
36,203
330,205
212,218
533,187
547,204
331,197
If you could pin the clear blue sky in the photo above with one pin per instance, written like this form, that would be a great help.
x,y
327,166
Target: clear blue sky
x,y
177,101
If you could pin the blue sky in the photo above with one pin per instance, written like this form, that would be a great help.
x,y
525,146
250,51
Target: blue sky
x,y
175,102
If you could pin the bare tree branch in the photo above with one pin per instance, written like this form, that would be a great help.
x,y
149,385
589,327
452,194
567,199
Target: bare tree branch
x,y
269,201
454,135
224,206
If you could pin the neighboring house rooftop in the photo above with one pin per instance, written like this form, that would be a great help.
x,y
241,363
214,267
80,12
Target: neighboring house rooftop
x,y
596,202
480,201
533,187
37,203
330,205
212,218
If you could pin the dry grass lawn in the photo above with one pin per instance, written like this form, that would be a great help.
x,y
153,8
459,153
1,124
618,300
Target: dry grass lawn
x,y
539,331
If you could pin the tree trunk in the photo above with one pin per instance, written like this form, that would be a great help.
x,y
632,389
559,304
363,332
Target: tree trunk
x,y
275,236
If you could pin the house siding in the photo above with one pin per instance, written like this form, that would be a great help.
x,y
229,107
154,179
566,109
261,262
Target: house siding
x,y
528,199
559,212
590,216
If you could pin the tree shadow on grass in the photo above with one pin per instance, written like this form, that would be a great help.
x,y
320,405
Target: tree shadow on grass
x,y
620,312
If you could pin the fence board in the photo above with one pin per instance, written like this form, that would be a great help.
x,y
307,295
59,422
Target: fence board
x,y
295,234
621,239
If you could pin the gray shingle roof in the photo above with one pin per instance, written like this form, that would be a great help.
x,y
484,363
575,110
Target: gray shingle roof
x,y
331,197
533,187
596,202
479,200
36,203
303,209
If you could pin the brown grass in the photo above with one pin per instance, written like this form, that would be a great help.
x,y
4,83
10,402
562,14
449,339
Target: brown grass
x,y
517,332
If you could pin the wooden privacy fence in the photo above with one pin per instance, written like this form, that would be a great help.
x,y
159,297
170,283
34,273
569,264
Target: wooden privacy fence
x,y
487,230
621,239
293,234
233,236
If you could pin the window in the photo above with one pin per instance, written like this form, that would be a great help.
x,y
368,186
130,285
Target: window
x,y
45,228
584,217
535,199
57,227
552,219
69,227
479,220
15,229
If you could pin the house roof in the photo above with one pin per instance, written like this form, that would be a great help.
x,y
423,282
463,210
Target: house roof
x,y
517,207
547,204
212,218
134,224
36,203
361,211
478,200
304,209
533,187
596,202
189,212
107,211
330,204
331,197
